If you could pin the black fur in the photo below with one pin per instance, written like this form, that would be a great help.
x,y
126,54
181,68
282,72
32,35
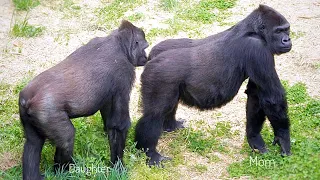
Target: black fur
x,y
97,76
209,75
181,43
170,123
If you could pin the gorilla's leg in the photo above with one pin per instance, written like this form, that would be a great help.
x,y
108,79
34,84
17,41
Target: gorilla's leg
x,y
170,123
117,141
32,151
277,115
116,124
274,105
148,131
62,134
255,119
150,126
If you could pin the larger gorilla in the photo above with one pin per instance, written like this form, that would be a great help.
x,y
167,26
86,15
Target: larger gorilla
x,y
209,75
97,76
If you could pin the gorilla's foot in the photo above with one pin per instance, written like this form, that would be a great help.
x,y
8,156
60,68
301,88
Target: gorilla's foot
x,y
261,150
257,143
58,168
173,125
155,159
284,145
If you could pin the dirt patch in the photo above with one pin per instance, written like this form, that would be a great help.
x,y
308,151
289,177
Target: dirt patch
x,y
7,161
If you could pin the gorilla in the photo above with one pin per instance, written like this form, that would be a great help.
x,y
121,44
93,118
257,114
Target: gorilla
x,y
97,76
209,74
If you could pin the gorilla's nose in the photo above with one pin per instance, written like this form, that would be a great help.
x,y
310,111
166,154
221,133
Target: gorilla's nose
x,y
286,41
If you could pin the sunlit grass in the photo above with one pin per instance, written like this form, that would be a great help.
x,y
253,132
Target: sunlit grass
x,y
25,4
24,29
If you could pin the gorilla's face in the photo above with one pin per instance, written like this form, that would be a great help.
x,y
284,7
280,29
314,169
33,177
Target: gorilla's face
x,y
139,46
276,31
281,39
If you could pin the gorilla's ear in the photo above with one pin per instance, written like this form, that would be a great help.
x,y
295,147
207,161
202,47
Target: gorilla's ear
x,y
265,9
126,25
262,7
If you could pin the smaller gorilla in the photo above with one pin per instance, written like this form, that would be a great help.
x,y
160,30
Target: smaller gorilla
x,y
97,76
208,73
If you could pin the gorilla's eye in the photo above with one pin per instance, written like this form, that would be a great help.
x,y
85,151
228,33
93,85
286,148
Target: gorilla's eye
x,y
137,42
278,31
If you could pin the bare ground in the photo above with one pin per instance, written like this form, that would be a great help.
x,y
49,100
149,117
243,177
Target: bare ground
x,y
64,33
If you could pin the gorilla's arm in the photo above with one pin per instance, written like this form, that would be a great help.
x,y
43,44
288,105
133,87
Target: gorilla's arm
x,y
271,97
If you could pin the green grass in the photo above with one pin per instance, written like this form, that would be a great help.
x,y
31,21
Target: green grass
x,y
304,113
70,9
198,142
11,136
24,29
297,34
176,25
173,30
200,168
67,4
190,16
296,94
112,14
92,149
204,11
135,17
202,140
223,129
25,4
207,11
169,4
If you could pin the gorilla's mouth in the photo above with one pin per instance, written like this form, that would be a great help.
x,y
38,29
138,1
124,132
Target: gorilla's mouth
x,y
285,48
142,61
